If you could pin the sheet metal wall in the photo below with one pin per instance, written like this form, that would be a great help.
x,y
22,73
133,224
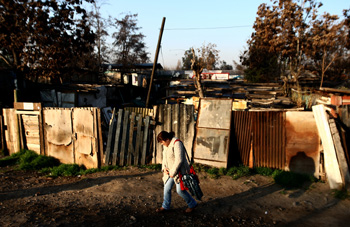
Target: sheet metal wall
x,y
263,133
212,141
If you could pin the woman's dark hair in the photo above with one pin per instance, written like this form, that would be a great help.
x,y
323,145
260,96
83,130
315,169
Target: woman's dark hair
x,y
164,135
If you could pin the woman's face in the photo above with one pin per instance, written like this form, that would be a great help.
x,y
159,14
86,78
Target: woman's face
x,y
165,143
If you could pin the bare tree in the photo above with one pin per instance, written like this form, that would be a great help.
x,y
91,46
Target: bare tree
x,y
129,41
197,67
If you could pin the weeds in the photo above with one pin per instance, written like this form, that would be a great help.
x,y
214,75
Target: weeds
x,y
157,167
341,194
290,179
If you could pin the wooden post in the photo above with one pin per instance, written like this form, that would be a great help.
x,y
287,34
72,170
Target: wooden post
x,y
117,136
131,137
110,138
125,127
155,61
138,139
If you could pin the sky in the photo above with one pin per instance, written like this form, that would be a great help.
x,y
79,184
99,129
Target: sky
x,y
192,23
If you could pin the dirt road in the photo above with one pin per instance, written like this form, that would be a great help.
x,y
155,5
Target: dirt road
x,y
129,198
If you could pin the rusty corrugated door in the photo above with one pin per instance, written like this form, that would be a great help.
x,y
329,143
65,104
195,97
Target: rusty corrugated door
x,y
263,134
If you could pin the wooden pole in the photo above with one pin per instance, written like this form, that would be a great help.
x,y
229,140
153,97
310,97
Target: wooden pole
x,y
155,61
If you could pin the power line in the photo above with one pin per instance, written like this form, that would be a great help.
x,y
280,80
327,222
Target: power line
x,y
211,28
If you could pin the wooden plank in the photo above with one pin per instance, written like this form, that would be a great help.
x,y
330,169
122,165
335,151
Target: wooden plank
x,y
95,136
27,106
99,134
122,151
131,138
159,149
110,138
2,133
145,139
138,139
117,137
330,159
344,169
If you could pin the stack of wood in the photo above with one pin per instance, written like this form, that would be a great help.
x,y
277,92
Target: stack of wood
x,y
333,133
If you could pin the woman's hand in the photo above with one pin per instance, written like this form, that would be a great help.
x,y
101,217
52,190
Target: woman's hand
x,y
166,171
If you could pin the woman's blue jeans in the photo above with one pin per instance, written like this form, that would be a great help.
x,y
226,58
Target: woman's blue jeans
x,y
184,194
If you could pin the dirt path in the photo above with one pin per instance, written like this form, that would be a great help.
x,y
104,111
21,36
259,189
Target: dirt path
x,y
129,198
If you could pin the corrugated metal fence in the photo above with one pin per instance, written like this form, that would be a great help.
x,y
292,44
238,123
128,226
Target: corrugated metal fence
x,y
263,134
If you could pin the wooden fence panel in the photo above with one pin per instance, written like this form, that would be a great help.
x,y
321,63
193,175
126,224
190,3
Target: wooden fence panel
x,y
131,139
178,118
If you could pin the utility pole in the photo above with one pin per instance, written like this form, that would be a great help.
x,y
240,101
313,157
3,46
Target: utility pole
x,y
155,61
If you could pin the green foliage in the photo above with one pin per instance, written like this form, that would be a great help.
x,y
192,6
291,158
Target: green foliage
x,y
222,171
264,171
213,172
341,194
157,167
290,179
65,170
238,171
29,160
10,160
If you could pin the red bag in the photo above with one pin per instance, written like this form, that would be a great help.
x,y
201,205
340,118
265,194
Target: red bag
x,y
183,187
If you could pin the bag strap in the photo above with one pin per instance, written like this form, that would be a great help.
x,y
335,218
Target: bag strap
x,y
188,158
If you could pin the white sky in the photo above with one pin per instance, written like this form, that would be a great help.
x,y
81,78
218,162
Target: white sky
x,y
215,16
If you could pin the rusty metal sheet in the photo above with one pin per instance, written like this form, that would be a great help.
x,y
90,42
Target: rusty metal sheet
x,y
83,121
212,147
212,140
85,137
215,113
58,126
83,144
64,153
260,138
58,134
302,143
268,137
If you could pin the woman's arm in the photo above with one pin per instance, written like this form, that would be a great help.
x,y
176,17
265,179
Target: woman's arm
x,y
178,152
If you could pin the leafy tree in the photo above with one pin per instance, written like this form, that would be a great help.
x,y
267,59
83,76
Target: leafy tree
x,y
209,56
186,59
262,65
281,28
225,66
130,47
43,37
327,41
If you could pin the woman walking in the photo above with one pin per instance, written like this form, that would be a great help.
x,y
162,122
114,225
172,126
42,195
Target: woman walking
x,y
174,162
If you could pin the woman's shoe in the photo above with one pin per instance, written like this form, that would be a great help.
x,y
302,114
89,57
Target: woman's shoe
x,y
161,210
190,210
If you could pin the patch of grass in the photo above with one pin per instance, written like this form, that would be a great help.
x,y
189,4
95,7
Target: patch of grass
x,y
157,167
64,170
213,172
239,171
30,160
290,179
341,194
222,171
264,171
